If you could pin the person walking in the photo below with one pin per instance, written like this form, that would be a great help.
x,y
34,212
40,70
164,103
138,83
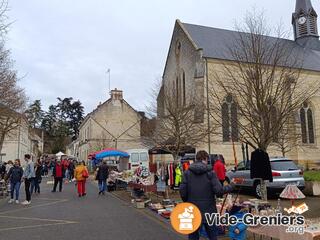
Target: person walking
x,y
58,174
199,187
38,178
15,175
44,168
81,174
71,168
65,164
28,175
102,176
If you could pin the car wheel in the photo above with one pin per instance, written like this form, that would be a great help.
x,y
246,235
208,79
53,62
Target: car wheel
x,y
257,190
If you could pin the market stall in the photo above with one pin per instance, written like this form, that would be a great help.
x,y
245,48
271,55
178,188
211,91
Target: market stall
x,y
140,179
311,228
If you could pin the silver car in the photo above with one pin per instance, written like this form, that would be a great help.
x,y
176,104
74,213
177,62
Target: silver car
x,y
284,172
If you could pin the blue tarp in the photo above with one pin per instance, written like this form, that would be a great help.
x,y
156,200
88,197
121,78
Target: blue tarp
x,y
111,153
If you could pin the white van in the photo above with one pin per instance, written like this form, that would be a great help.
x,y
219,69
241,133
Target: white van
x,y
138,157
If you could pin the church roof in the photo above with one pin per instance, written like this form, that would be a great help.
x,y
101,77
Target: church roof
x,y
215,43
304,5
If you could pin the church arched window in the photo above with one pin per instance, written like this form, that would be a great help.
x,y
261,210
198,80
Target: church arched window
x,y
183,88
177,91
229,112
178,48
313,22
307,124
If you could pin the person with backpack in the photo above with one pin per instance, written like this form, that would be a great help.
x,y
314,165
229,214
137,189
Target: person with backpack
x,y
199,187
81,174
15,175
102,176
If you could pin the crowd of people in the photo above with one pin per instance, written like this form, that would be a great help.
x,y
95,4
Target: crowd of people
x,y
64,170
200,183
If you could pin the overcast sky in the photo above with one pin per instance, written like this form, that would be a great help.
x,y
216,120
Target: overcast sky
x,y
63,48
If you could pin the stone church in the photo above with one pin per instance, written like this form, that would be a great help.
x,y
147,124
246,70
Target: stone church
x,y
196,51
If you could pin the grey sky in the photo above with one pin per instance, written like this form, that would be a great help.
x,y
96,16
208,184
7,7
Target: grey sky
x,y
64,47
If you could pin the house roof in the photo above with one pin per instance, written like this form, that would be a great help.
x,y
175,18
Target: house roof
x,y
215,43
87,117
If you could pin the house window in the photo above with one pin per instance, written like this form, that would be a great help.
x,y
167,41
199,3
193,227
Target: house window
x,y
199,101
307,125
229,112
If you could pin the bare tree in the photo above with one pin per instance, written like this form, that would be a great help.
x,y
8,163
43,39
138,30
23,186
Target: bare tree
x,y
176,125
288,137
265,82
12,97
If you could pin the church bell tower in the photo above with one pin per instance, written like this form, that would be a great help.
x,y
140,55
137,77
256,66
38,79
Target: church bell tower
x,y
304,21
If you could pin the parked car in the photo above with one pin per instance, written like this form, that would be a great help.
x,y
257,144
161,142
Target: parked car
x,y
188,157
284,172
211,160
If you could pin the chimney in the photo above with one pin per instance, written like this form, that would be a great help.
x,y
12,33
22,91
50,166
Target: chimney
x,y
116,94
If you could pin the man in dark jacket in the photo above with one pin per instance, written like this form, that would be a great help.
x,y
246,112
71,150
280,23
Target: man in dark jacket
x,y
199,187
102,176
58,174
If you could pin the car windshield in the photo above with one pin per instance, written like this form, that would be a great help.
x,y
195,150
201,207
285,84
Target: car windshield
x,y
143,157
282,165
134,157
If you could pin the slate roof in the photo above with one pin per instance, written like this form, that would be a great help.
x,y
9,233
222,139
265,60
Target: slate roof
x,y
215,43
304,5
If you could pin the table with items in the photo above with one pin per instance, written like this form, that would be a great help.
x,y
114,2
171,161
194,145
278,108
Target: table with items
x,y
4,188
311,232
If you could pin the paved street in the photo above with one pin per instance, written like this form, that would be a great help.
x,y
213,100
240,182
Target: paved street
x,y
64,216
